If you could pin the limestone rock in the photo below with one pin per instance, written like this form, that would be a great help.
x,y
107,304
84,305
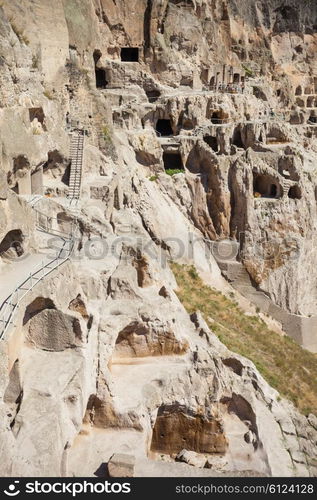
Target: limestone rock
x,y
191,458
121,465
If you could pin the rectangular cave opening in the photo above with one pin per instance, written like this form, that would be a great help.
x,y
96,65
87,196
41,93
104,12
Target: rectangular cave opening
x,y
265,186
173,161
101,79
212,142
130,54
164,128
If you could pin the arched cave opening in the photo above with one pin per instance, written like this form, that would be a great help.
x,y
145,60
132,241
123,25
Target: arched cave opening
x,y
173,161
164,128
38,114
312,119
295,192
212,142
20,162
265,186
310,102
12,244
129,54
298,90
101,77
37,305
216,117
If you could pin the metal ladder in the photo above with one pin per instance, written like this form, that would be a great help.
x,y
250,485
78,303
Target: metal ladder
x,y
76,156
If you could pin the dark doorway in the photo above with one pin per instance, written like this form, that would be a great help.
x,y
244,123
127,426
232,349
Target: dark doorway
x,y
173,161
164,128
312,119
265,186
295,193
237,138
212,142
12,244
130,54
216,117
153,95
101,81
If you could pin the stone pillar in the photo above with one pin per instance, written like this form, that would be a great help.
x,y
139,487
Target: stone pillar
x,y
37,181
25,184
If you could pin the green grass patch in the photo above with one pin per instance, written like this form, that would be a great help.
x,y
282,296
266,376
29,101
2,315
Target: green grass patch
x,y
285,365
173,171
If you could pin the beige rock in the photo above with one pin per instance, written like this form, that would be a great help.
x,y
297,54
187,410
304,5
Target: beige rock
x,y
121,465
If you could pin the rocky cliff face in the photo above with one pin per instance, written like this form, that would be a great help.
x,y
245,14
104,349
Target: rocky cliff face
x,y
100,356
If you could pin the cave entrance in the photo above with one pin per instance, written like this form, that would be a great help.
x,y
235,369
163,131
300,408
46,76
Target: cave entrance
x,y
212,142
310,102
153,95
130,54
298,90
38,305
101,77
237,138
164,128
173,161
265,186
295,192
37,114
12,244
312,119
236,78
175,430
216,117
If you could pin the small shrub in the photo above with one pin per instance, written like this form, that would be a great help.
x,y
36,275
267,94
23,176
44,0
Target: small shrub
x,y
193,273
248,71
48,94
35,61
19,33
173,171
153,178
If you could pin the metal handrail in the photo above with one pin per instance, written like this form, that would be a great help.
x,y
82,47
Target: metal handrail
x,y
13,300
11,303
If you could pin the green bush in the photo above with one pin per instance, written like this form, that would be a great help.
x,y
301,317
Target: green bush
x,y
173,171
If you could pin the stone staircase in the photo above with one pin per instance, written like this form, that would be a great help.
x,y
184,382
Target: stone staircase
x,y
76,156
287,184
301,328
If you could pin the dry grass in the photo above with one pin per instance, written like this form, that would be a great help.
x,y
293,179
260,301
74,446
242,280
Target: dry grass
x,y
284,364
